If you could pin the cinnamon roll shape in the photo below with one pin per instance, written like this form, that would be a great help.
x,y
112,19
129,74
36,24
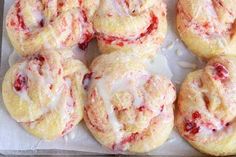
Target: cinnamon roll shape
x,y
130,24
207,27
128,108
45,94
34,25
206,107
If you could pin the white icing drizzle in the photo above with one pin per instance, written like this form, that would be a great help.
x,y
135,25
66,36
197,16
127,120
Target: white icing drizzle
x,y
51,10
24,94
55,37
81,26
133,87
37,15
124,84
197,11
14,58
222,42
21,40
117,127
187,65
137,99
47,75
68,83
65,113
55,100
46,44
45,79
116,6
68,29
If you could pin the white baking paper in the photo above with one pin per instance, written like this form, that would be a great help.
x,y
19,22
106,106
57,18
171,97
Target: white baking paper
x,y
172,53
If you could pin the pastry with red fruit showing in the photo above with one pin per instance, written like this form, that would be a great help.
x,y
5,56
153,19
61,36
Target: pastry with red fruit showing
x,y
128,108
130,24
206,107
34,25
45,94
208,27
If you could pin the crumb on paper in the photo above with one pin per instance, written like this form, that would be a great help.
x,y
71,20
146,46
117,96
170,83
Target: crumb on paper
x,y
177,82
179,52
187,65
170,46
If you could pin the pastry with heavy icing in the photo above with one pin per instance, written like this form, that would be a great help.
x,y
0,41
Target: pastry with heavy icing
x,y
128,108
34,25
45,94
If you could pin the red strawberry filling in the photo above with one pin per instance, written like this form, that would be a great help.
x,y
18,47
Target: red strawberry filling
x,y
40,58
120,146
88,36
20,82
191,127
95,122
221,73
205,28
196,115
130,138
20,19
121,40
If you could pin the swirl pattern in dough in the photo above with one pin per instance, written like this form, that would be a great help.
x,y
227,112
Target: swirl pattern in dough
x,y
34,25
206,107
130,24
45,94
207,26
128,109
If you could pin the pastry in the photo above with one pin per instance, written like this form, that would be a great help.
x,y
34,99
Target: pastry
x,y
128,108
206,108
45,92
38,25
207,27
130,24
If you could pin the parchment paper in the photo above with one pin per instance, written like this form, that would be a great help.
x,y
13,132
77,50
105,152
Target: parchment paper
x,y
13,137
